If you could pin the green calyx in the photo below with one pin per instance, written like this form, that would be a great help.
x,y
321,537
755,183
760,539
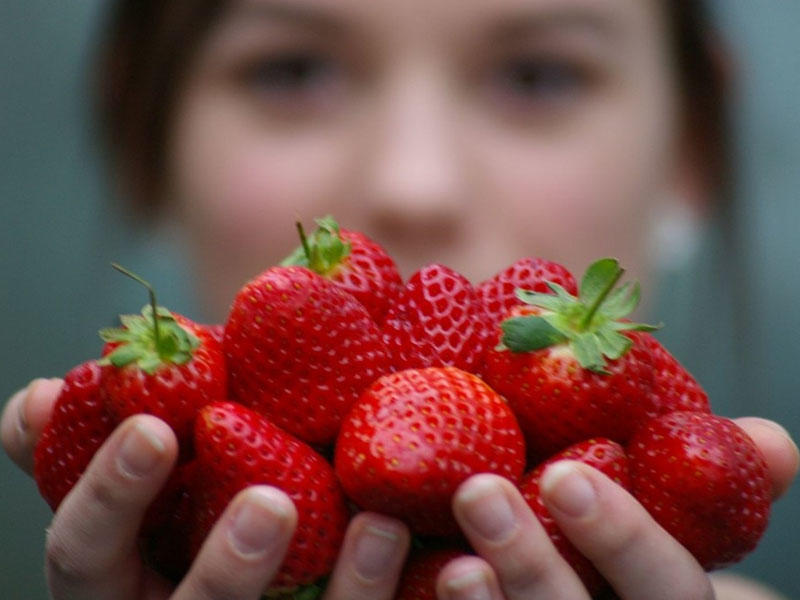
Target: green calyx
x,y
323,251
149,340
590,324
304,592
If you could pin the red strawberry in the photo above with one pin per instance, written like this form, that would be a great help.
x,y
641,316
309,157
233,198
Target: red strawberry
x,y
705,481
573,368
415,435
602,454
418,581
353,261
166,532
674,388
163,364
437,320
236,448
499,294
300,351
78,426
217,331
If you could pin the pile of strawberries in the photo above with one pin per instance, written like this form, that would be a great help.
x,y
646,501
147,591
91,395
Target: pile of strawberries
x,y
350,390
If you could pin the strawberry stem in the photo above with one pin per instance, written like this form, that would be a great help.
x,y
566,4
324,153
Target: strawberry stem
x,y
303,240
153,303
612,282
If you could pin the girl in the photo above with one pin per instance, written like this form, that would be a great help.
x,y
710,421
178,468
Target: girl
x,y
470,132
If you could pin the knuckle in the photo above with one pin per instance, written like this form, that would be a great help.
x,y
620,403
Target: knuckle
x,y
212,584
105,492
63,561
621,539
523,571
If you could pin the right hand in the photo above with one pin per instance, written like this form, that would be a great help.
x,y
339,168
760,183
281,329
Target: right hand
x,y
91,543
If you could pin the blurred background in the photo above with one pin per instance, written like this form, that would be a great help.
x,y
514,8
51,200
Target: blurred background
x,y
59,231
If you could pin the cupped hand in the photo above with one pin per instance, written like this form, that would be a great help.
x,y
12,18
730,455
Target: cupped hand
x,y
91,549
516,560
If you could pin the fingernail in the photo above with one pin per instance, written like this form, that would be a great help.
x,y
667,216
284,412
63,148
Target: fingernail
x,y
487,510
140,451
375,551
258,522
23,424
22,418
471,586
567,489
777,428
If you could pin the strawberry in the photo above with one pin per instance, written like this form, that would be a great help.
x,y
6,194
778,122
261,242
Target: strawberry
x,y
573,368
418,580
356,263
602,454
498,294
236,448
437,320
300,351
163,364
415,435
674,388
706,483
216,331
166,531
78,426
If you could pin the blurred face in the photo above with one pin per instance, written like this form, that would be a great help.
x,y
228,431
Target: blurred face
x,y
466,132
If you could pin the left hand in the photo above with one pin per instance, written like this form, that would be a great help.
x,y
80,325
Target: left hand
x,y
516,560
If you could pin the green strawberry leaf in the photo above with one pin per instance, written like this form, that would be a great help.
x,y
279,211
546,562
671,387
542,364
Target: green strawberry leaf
x,y
629,326
586,348
526,334
623,301
613,345
559,291
598,279
546,301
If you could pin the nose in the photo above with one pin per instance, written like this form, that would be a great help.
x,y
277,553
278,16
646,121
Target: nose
x,y
414,173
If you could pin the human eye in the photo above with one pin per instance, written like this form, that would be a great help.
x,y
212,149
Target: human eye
x,y
292,76
538,80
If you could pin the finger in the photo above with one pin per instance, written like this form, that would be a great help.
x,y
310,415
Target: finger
x,y
91,544
24,418
468,578
505,532
778,449
371,559
245,548
617,534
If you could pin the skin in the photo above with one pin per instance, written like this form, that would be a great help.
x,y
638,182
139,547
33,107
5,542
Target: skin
x,y
410,121
474,132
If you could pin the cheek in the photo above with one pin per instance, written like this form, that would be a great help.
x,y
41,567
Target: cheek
x,y
585,193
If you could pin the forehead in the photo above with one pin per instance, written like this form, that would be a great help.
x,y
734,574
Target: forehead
x,y
398,16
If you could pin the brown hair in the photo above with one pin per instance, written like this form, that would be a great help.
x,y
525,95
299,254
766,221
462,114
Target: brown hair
x,y
148,43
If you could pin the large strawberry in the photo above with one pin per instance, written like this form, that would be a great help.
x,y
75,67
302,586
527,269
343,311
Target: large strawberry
x,y
236,448
353,261
415,435
437,320
300,351
163,364
573,368
78,426
602,454
499,293
705,481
